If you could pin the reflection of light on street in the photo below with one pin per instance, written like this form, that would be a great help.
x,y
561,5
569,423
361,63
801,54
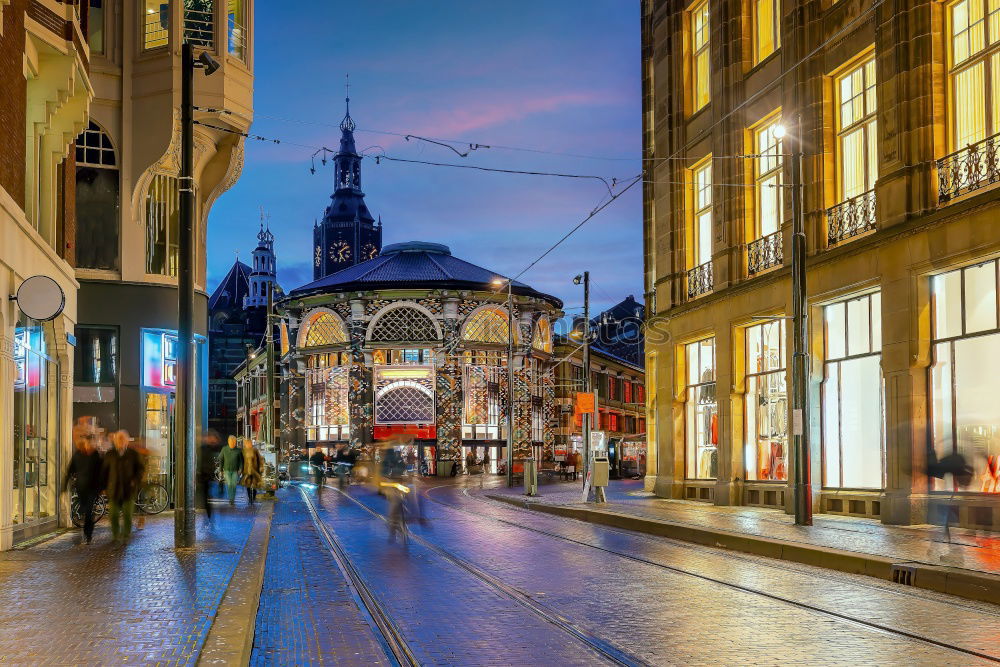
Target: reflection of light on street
x,y
394,485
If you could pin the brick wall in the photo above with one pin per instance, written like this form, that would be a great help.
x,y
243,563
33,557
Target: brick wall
x,y
13,100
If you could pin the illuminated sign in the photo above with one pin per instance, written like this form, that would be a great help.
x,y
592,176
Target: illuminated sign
x,y
159,359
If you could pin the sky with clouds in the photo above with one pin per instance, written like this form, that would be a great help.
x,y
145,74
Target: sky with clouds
x,y
558,77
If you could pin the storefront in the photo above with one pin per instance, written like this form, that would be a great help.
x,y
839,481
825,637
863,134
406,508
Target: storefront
x,y
36,422
766,403
158,396
965,374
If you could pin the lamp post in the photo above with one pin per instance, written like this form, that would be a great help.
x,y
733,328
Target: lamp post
x,y
184,529
584,278
800,356
498,283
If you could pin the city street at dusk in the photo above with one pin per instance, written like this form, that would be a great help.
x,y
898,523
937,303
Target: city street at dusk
x,y
559,332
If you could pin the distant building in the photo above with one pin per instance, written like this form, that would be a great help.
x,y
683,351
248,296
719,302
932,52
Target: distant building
x,y
237,323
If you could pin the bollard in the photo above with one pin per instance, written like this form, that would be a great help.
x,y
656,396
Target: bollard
x,y
530,477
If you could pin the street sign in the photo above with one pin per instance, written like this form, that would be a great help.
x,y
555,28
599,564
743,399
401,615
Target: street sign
x,y
40,298
584,403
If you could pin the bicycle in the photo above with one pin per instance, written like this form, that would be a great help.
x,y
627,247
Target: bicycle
x,y
152,498
100,508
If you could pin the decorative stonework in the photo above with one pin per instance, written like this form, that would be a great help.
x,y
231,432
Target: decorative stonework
x,y
449,412
522,414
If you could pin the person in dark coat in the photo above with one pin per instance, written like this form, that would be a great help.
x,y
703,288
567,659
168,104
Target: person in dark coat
x,y
206,468
86,467
123,471
318,463
231,458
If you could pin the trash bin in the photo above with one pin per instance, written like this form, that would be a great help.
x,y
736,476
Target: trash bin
x,y
530,477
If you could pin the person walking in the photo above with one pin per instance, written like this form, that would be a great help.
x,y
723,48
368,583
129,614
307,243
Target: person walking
x,y
86,467
231,458
207,455
253,469
123,471
318,463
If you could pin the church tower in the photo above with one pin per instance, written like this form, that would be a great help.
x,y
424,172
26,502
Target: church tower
x,y
264,271
348,234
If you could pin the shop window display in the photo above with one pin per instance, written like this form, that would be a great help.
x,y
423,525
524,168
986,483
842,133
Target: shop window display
x,y
853,417
766,403
701,411
965,373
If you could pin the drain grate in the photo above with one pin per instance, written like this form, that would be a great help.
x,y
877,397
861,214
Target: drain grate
x,y
903,574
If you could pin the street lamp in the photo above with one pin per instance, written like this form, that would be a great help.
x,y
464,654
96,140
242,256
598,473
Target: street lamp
x,y
184,530
499,283
584,279
800,355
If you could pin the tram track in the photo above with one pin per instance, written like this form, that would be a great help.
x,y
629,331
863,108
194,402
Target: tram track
x,y
608,651
386,631
879,627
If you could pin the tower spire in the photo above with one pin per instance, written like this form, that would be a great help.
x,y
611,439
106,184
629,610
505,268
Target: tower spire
x,y
347,125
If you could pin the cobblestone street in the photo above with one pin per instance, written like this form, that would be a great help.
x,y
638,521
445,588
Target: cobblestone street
x,y
479,582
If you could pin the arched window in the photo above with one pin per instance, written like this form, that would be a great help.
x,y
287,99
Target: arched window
x,y
97,188
542,339
404,402
324,329
402,325
487,325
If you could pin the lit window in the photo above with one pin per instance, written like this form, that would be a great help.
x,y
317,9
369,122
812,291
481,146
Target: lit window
x,y
162,225
767,28
856,129
155,23
701,411
767,178
700,55
236,27
487,325
542,340
766,403
965,374
324,329
975,70
852,394
703,213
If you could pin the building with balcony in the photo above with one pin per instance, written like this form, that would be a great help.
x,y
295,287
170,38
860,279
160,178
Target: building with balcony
x,y
891,110
44,62
128,205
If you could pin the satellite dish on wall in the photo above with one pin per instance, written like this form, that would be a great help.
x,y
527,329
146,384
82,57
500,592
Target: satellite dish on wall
x,y
40,298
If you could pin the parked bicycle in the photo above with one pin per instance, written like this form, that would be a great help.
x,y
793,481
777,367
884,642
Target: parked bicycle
x,y
152,498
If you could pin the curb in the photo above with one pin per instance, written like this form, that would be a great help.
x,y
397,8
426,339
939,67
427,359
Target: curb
x,y
230,637
969,584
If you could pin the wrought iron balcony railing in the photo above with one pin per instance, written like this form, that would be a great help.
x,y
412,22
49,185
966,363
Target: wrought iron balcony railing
x,y
763,253
700,280
851,217
199,25
972,168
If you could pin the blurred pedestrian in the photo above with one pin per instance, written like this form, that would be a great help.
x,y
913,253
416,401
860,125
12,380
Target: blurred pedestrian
x,y
318,463
253,469
207,455
140,448
486,461
123,472
85,467
231,458
961,472
470,460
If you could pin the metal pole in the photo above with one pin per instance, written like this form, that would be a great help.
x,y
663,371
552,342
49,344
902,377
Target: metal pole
x,y
586,373
184,530
269,360
510,384
800,354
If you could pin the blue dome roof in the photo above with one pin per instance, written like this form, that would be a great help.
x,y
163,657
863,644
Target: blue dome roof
x,y
415,265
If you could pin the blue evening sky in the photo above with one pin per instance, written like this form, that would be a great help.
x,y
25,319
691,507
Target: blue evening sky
x,y
560,76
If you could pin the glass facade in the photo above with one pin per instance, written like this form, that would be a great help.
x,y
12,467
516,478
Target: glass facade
x,y
852,405
701,411
766,403
965,414
35,424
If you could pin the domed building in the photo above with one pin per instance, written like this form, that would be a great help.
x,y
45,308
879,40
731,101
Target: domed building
x,y
414,343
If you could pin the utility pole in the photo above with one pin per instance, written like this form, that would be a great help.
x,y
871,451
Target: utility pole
x,y
184,531
586,373
800,355
510,384
269,360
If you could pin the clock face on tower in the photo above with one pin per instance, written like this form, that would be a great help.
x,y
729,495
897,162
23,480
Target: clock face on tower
x,y
369,251
340,252
318,256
